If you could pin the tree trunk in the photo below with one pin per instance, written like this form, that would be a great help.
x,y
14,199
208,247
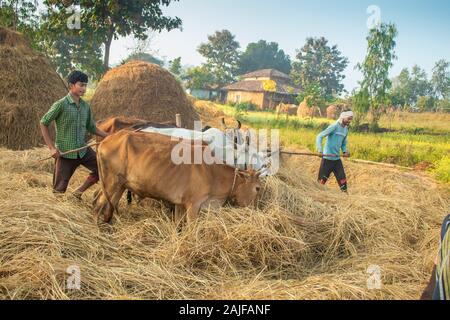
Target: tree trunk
x,y
107,51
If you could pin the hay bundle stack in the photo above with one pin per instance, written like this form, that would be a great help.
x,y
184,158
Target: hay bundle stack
x,y
288,109
145,91
304,111
28,87
334,111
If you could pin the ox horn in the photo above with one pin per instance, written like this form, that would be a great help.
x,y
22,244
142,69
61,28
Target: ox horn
x,y
222,121
239,126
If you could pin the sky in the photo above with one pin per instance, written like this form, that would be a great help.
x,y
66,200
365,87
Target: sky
x,y
423,26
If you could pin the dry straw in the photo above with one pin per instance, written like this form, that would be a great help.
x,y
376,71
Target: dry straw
x,y
304,241
28,88
142,90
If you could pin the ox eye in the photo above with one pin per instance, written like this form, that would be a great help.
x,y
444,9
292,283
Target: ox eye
x,y
258,189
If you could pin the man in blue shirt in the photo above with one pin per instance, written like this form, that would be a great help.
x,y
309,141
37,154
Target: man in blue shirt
x,y
337,137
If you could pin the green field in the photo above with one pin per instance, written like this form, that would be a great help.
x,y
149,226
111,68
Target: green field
x,y
413,139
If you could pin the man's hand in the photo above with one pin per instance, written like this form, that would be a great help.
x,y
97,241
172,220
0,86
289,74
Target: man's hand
x,y
346,154
55,153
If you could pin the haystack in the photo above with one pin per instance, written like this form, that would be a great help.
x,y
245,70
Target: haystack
x,y
28,87
334,111
288,109
145,91
305,111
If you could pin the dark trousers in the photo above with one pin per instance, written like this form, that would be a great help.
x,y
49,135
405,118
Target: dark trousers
x,y
65,168
337,168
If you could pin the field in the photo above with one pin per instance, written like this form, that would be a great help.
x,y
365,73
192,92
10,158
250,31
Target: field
x,y
303,241
420,141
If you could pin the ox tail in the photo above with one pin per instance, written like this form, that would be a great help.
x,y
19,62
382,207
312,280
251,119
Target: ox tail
x,y
101,176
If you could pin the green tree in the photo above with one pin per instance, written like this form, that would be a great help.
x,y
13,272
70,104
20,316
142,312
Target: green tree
x,y
143,56
376,66
111,19
312,94
440,79
175,67
318,63
401,94
420,86
425,103
198,78
222,56
360,106
264,55
22,16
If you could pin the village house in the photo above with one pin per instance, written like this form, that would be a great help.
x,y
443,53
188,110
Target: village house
x,y
265,88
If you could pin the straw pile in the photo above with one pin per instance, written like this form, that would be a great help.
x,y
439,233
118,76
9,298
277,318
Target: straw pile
x,y
288,109
304,111
304,241
28,87
142,90
334,111
209,113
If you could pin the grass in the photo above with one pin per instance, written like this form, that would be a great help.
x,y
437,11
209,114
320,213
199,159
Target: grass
x,y
415,140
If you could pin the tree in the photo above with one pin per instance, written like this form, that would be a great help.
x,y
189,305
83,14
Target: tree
x,y
318,63
375,68
360,106
222,56
198,78
175,67
68,51
440,79
420,86
21,15
111,19
144,56
401,94
264,55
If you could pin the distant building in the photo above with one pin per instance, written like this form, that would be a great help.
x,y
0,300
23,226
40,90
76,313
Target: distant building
x,y
252,86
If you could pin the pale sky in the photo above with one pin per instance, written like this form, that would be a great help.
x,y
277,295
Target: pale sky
x,y
423,25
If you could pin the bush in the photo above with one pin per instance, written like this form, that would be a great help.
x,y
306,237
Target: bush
x,y
442,169
245,107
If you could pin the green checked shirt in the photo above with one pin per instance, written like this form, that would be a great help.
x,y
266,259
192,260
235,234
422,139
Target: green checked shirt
x,y
72,124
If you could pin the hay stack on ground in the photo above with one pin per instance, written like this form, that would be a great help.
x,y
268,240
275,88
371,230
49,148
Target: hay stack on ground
x,y
145,91
334,111
28,88
304,111
287,109
304,241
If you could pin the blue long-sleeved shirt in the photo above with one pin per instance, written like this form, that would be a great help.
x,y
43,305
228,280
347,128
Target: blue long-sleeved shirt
x,y
336,140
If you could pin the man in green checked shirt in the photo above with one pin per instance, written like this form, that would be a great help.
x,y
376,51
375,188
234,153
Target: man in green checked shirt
x,y
73,118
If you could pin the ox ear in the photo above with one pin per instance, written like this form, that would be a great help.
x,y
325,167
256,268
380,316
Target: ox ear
x,y
243,174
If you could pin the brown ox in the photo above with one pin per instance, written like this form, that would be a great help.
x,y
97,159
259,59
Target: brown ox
x,y
115,124
142,163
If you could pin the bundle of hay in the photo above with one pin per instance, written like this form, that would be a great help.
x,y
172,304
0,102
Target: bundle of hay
x,y
28,88
145,91
288,109
334,111
305,111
